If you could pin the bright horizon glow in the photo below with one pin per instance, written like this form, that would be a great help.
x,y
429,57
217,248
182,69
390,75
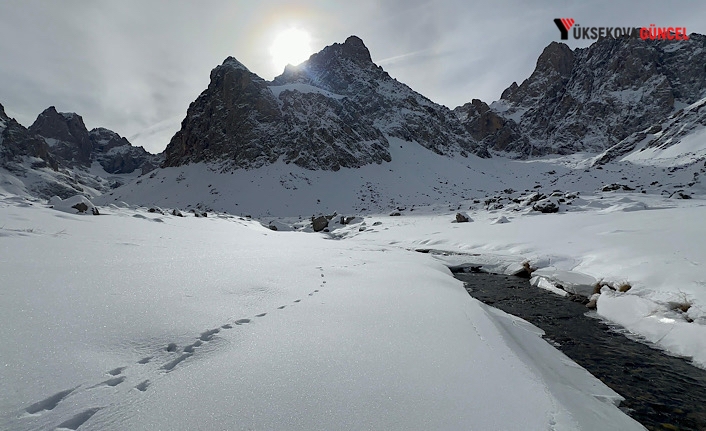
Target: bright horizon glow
x,y
291,46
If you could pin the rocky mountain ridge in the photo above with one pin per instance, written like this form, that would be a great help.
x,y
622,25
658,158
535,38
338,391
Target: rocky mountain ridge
x,y
335,110
590,99
55,154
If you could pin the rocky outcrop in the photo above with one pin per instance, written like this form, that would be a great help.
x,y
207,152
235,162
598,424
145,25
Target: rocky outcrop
x,y
334,110
16,142
117,156
590,99
66,135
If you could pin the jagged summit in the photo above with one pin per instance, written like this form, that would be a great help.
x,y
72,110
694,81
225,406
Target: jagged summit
x,y
232,62
589,99
334,110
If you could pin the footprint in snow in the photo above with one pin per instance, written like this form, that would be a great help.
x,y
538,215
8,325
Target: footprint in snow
x,y
113,382
116,371
298,300
208,335
242,321
281,307
143,361
142,386
169,366
49,403
75,422
261,315
172,347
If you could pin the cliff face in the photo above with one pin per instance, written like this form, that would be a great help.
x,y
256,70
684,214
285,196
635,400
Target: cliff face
x,y
592,98
334,110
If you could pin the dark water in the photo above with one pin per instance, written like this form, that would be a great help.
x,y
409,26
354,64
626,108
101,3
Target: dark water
x,y
661,392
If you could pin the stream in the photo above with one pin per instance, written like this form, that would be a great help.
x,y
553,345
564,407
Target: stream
x,y
661,392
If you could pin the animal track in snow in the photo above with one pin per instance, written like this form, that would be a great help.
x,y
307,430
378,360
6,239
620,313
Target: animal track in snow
x,y
49,403
113,382
169,366
208,335
116,371
190,348
75,422
142,386
169,353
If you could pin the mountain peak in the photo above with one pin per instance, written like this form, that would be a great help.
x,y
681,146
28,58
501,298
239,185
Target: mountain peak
x,y
355,49
3,115
558,57
232,62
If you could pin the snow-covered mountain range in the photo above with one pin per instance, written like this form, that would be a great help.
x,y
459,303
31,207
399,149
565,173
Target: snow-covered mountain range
x,y
58,156
151,316
339,112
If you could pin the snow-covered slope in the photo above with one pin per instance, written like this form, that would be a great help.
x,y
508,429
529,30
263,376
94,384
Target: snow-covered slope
x,y
142,321
414,177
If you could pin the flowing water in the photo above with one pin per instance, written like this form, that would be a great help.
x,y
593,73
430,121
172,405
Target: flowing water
x,y
662,392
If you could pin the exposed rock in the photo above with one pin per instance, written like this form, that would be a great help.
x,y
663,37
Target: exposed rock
x,y
319,223
462,218
332,111
591,99
80,207
546,206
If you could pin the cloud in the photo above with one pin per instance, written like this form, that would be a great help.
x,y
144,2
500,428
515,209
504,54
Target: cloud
x,y
134,66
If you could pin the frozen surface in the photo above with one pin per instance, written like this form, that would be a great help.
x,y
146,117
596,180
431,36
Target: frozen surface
x,y
142,321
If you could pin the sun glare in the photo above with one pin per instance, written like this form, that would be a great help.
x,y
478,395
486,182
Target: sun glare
x,y
291,46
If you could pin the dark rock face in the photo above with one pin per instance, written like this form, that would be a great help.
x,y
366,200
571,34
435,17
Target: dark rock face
x,y
590,99
17,142
66,134
332,111
319,223
118,156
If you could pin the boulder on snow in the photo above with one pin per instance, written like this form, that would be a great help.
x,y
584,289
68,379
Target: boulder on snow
x,y
74,205
319,223
546,206
81,207
462,218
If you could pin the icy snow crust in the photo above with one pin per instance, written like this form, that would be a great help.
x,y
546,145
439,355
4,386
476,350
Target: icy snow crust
x,y
142,321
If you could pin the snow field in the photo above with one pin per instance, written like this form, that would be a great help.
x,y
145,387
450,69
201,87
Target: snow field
x,y
137,320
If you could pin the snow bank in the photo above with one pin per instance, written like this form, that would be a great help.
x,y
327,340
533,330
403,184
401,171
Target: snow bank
x,y
657,252
213,323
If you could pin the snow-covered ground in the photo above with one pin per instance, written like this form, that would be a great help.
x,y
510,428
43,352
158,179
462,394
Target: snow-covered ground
x,y
143,321
651,245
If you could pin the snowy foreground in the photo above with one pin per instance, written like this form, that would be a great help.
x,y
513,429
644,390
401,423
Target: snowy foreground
x,y
140,321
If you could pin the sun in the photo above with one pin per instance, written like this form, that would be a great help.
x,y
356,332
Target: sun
x,y
291,46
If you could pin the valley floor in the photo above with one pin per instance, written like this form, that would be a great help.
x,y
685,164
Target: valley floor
x,y
138,320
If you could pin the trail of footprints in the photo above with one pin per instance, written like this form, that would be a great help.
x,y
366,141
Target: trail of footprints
x,y
117,377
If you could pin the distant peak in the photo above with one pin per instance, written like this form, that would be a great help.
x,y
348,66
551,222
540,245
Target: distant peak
x,y
232,62
2,112
355,49
556,56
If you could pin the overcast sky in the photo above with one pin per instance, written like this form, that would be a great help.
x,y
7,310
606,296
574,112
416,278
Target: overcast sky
x,y
134,66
